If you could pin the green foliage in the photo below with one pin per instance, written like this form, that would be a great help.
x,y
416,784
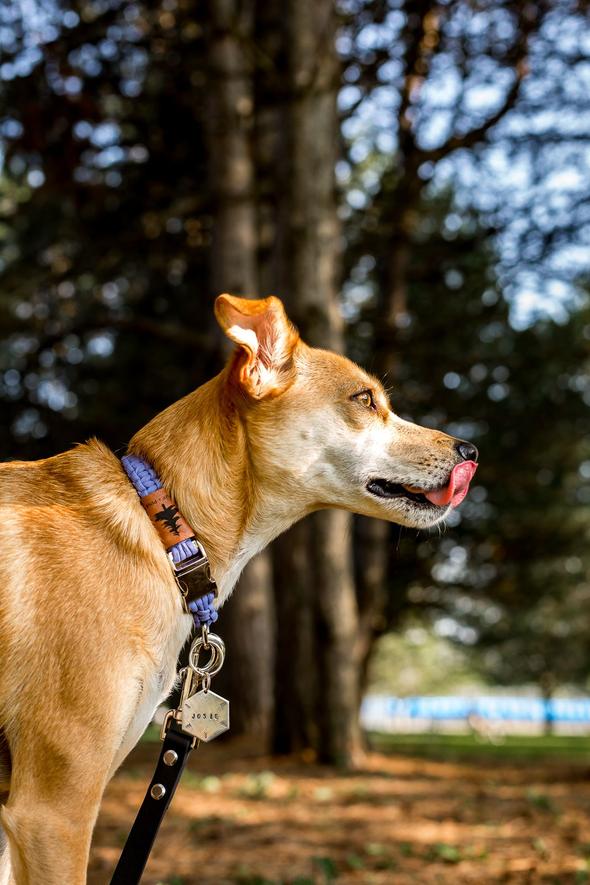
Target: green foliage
x,y
327,867
258,785
417,661
541,801
105,255
355,861
447,853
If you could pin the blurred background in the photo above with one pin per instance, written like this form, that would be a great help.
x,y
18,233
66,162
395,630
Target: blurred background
x,y
412,179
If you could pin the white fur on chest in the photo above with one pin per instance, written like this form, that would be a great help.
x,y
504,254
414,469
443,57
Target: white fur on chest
x,y
145,695
263,531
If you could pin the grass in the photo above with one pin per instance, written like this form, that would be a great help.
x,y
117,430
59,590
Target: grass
x,y
151,735
455,747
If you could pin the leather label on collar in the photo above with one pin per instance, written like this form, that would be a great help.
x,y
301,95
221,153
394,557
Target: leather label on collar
x,y
169,523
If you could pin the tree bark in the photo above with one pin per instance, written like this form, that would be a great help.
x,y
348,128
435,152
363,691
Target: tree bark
x,y
296,726
336,639
374,535
317,659
247,619
548,684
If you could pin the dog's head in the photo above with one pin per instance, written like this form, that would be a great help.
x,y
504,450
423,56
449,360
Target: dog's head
x,y
321,431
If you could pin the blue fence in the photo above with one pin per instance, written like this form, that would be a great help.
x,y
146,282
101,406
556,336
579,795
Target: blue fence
x,y
506,709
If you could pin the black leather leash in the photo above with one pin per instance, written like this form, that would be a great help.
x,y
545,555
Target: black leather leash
x,y
201,715
173,758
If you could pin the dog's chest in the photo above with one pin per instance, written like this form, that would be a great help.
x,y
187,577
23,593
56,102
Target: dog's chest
x,y
153,687
161,681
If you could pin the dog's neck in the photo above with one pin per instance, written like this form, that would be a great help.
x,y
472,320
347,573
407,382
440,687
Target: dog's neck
x,y
199,448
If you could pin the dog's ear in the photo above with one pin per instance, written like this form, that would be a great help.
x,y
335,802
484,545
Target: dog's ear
x,y
266,340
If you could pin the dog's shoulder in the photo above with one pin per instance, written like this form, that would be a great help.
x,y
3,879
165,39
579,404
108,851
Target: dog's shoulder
x,y
78,514
73,476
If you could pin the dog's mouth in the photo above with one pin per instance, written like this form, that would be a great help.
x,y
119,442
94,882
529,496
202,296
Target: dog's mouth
x,y
452,493
382,488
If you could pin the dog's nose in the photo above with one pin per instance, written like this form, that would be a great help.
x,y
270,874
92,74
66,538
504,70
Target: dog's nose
x,y
467,451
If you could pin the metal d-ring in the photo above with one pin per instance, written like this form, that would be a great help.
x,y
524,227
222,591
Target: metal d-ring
x,y
215,662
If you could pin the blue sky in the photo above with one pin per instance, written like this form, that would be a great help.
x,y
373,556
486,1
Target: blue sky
x,y
530,180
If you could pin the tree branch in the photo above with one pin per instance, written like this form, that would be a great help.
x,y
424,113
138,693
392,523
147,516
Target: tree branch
x,y
477,135
529,20
169,332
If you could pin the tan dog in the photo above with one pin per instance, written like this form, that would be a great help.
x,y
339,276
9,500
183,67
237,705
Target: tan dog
x,y
91,620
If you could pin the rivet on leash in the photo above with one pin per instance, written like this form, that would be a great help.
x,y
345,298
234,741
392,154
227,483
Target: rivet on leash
x,y
200,715
158,791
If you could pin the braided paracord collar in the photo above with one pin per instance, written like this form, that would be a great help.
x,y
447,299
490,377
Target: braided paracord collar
x,y
146,481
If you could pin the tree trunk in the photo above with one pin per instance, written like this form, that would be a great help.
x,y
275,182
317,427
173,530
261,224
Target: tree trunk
x,y
374,535
246,624
247,619
336,639
371,546
548,684
296,725
318,670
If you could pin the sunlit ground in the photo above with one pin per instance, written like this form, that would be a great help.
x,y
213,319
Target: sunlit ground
x,y
441,810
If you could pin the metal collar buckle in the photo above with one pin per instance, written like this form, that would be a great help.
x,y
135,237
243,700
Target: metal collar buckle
x,y
193,577
191,564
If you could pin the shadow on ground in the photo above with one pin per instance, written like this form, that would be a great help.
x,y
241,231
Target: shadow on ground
x,y
239,819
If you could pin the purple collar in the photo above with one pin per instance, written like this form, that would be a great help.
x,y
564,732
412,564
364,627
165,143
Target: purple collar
x,y
187,557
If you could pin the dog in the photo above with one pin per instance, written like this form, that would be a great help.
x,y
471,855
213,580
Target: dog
x,y
91,618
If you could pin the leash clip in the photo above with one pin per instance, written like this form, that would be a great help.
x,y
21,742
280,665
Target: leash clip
x,y
201,714
175,715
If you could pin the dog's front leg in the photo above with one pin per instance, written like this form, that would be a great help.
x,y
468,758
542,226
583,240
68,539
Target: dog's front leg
x,y
49,843
52,808
58,777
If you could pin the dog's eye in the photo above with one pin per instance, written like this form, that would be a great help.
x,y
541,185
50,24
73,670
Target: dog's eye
x,y
365,398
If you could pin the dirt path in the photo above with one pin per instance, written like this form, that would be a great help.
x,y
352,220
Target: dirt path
x,y
251,821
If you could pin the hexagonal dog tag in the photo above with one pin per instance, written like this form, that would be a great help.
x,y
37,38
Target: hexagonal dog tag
x,y
205,715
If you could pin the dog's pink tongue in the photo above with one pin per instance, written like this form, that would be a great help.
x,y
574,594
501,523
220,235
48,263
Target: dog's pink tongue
x,y
458,486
